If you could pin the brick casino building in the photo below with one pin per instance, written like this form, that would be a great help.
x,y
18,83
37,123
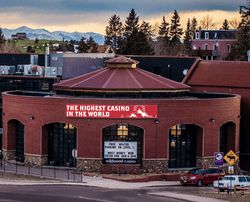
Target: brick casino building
x,y
120,118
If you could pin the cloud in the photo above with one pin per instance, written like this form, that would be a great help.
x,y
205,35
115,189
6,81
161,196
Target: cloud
x,y
93,15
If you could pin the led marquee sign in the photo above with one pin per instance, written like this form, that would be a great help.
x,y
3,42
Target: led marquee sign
x,y
111,111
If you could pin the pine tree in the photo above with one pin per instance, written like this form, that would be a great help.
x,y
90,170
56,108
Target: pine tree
x,y
193,27
187,37
131,24
225,25
83,46
242,45
163,38
114,33
175,31
147,29
135,40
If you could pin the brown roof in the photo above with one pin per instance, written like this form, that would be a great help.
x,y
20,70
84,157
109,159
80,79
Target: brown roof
x,y
121,79
219,73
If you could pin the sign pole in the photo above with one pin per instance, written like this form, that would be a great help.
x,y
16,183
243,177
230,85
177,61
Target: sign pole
x,y
218,161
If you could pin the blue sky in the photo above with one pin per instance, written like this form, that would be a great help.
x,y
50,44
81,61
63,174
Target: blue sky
x,y
87,15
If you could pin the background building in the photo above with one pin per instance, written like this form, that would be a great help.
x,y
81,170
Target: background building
x,y
213,44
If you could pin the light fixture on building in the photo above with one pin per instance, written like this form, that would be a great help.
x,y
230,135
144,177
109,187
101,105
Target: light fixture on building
x,y
31,117
212,119
157,121
3,113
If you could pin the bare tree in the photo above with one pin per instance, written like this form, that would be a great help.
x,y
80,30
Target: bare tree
x,y
207,23
234,23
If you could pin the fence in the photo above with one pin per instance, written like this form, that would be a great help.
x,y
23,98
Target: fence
x,y
242,190
52,172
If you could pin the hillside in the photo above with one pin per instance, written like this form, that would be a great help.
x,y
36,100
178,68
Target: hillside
x,y
40,34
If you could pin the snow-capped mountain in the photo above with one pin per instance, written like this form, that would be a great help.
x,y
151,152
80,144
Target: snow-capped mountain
x,y
57,35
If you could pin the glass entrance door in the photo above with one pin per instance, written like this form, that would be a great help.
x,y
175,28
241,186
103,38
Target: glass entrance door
x,y
61,142
182,146
19,141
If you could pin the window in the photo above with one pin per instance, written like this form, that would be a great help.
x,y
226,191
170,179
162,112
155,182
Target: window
x,y
206,35
248,179
215,35
197,35
205,47
228,48
242,179
215,47
194,47
182,146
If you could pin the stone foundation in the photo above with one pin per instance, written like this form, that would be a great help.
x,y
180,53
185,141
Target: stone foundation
x,y
155,166
35,160
8,155
89,165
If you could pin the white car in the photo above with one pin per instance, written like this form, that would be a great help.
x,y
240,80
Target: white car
x,y
229,181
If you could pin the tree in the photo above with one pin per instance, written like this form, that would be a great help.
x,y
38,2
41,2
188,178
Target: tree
x,y
175,31
234,23
225,25
83,46
2,39
187,37
135,40
147,29
239,50
36,40
163,36
193,27
207,23
131,25
114,32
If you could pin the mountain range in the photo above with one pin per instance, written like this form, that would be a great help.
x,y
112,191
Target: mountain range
x,y
57,35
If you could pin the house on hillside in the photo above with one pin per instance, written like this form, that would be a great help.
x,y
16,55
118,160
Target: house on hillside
x,y
19,36
213,44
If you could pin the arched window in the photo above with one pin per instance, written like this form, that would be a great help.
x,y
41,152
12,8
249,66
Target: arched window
x,y
122,144
20,141
183,141
62,139
227,137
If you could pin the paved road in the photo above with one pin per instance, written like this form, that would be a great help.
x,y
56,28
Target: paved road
x,y
74,194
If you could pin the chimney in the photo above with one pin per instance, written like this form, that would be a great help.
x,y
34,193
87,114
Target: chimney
x,y
199,32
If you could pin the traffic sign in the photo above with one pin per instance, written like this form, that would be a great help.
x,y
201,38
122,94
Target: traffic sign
x,y
218,158
231,157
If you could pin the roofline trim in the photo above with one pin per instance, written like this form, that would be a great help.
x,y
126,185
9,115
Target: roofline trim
x,y
191,71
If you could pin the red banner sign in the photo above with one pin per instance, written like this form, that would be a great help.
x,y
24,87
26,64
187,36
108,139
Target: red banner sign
x,y
112,111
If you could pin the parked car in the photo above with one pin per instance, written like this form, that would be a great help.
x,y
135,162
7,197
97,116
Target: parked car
x,y
228,182
200,176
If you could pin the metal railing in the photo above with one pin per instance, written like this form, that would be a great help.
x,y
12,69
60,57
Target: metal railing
x,y
49,172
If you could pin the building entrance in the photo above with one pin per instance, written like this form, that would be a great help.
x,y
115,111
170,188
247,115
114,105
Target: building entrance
x,y
61,141
182,146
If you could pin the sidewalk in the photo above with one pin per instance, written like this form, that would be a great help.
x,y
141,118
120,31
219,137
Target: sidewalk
x,y
62,176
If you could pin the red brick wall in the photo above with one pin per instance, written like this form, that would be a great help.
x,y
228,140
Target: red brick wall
x,y
89,131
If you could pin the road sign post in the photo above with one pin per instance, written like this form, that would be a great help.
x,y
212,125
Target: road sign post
x,y
218,161
231,158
